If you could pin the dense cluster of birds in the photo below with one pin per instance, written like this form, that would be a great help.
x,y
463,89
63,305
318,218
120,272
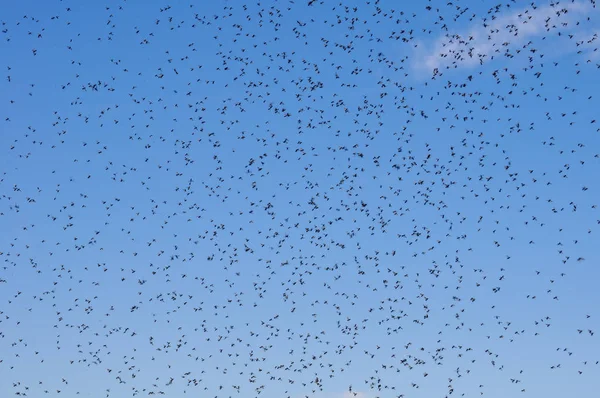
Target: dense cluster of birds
x,y
302,198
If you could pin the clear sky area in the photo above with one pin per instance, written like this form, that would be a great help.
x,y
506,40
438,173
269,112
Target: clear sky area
x,y
321,199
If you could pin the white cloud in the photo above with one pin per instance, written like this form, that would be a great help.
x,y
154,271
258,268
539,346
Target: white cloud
x,y
492,38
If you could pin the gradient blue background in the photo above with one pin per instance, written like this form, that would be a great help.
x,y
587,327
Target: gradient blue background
x,y
153,186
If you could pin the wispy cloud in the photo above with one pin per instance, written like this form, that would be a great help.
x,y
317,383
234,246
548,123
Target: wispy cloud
x,y
492,38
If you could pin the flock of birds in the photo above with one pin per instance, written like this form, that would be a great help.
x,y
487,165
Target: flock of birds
x,y
299,198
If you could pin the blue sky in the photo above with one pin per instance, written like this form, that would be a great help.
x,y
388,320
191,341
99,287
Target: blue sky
x,y
250,196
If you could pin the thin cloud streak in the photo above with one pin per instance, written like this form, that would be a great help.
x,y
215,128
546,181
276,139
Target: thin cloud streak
x,y
485,41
